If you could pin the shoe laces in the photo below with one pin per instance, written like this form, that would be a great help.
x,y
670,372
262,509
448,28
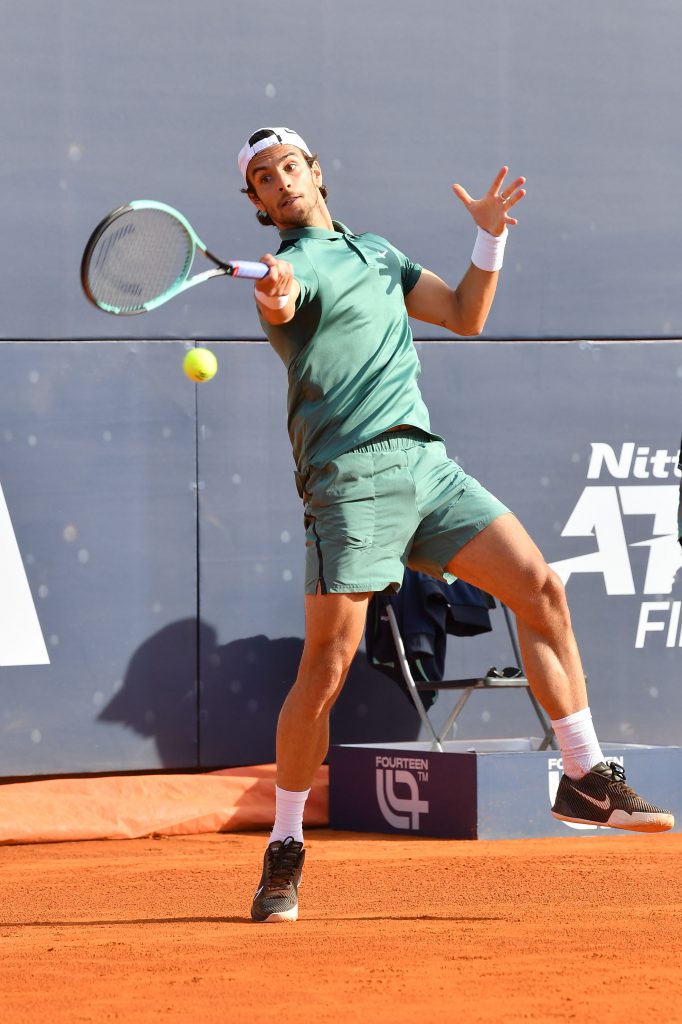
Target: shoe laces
x,y
282,864
618,777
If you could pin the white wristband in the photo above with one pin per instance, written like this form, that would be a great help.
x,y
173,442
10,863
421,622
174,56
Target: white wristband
x,y
489,250
271,301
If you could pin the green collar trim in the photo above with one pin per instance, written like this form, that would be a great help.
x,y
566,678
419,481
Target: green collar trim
x,y
339,231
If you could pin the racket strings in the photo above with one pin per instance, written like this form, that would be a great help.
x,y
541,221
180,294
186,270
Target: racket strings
x,y
138,257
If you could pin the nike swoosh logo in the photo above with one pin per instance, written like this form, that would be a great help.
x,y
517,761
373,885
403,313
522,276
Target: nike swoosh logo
x,y
382,253
605,804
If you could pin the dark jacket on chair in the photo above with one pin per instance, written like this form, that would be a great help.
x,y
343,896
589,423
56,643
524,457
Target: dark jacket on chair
x,y
426,610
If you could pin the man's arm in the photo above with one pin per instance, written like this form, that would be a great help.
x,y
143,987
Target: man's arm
x,y
271,291
464,309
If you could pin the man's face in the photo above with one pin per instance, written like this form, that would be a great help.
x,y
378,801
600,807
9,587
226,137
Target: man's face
x,y
286,188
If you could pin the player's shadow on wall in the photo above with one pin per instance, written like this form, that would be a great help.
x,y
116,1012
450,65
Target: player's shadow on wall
x,y
234,709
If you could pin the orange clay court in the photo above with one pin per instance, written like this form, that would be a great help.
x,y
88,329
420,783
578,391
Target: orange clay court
x,y
390,930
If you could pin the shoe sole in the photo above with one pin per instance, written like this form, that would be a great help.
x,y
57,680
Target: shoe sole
x,y
281,916
639,821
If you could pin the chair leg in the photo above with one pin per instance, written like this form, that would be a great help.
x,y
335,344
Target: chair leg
x,y
407,675
512,636
455,712
549,739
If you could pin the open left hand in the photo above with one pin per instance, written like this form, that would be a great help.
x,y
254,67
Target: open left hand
x,y
491,212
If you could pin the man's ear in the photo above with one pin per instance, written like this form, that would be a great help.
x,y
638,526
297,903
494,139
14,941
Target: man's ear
x,y
256,201
316,172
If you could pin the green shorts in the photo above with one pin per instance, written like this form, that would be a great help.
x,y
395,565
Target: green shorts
x,y
396,501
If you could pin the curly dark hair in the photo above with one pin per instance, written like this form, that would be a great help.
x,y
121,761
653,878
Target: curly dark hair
x,y
263,218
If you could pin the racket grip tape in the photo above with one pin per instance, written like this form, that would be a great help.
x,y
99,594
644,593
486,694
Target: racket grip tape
x,y
244,268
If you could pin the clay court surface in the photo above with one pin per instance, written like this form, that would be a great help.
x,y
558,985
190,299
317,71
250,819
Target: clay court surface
x,y
390,930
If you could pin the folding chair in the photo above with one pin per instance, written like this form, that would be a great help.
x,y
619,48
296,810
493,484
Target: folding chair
x,y
508,679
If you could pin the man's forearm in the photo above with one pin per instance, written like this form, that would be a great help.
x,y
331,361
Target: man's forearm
x,y
474,296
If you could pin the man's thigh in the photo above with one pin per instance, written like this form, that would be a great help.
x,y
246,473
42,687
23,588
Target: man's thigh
x,y
454,508
504,561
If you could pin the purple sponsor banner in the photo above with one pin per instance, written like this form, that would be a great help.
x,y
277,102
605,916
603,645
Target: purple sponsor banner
x,y
481,794
406,792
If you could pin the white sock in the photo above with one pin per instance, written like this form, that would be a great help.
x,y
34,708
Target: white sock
x,y
288,815
580,749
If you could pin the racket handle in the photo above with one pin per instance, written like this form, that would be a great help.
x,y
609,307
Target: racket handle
x,y
243,268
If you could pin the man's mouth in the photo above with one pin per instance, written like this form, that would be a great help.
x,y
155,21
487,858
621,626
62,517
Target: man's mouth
x,y
288,201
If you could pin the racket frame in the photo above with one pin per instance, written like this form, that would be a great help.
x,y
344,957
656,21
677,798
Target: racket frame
x,y
230,268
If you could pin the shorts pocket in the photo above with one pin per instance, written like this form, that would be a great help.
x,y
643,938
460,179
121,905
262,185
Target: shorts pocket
x,y
342,500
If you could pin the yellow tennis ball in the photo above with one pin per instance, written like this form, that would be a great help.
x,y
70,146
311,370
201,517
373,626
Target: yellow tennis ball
x,y
200,364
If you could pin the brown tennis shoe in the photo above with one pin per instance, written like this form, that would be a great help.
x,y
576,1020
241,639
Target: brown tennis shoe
x,y
603,798
276,898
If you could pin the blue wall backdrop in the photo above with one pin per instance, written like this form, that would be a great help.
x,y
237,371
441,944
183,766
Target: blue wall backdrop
x,y
151,610
107,102
161,537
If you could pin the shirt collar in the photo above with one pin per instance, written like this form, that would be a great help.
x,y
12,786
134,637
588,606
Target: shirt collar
x,y
339,231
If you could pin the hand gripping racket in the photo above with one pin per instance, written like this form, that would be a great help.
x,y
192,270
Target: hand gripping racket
x,y
140,256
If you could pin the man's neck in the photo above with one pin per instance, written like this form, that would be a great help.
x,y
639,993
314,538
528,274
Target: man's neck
x,y
319,217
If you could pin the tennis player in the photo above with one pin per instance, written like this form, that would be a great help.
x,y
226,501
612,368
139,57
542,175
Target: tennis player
x,y
379,491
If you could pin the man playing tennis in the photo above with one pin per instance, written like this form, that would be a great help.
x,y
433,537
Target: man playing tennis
x,y
379,490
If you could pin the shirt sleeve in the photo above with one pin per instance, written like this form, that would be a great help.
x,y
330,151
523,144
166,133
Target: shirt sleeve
x,y
409,272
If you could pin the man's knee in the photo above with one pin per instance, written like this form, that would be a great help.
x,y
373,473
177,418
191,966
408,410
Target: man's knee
x,y
544,605
321,676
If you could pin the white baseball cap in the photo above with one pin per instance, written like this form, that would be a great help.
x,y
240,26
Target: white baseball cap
x,y
265,138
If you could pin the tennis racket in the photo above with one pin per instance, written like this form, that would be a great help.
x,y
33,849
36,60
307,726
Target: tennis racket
x,y
141,255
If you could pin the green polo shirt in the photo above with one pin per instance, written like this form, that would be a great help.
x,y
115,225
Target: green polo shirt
x,y
351,361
